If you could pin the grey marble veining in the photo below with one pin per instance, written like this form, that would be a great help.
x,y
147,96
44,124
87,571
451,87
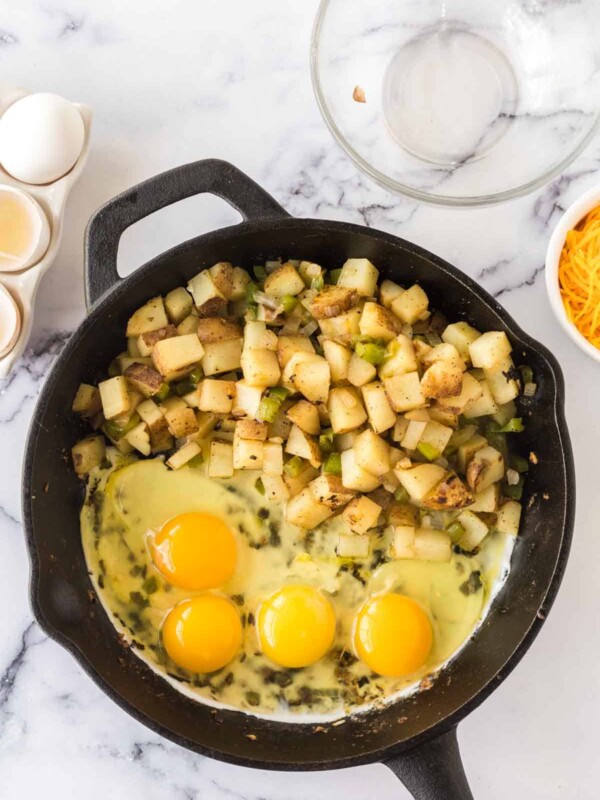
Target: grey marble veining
x,y
171,83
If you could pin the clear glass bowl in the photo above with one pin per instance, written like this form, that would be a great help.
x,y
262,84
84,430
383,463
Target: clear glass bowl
x,y
468,102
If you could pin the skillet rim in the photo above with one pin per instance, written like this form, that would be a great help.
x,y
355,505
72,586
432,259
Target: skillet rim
x,y
447,723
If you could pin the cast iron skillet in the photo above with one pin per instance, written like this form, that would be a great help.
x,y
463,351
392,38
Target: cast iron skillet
x,y
416,736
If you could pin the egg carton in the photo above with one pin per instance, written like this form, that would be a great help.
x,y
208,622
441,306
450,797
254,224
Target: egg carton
x,y
52,197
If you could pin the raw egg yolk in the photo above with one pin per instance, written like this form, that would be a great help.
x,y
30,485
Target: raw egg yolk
x,y
296,626
194,551
203,633
392,635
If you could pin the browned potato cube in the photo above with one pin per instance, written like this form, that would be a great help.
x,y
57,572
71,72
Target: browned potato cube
x,y
149,317
146,341
144,379
332,301
87,401
218,329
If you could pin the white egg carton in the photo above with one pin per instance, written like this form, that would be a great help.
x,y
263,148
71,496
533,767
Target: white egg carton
x,y
52,198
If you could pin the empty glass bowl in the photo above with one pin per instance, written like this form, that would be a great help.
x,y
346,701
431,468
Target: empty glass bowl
x,y
465,102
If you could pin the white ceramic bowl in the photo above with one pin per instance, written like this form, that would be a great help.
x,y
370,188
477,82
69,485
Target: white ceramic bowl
x,y
574,214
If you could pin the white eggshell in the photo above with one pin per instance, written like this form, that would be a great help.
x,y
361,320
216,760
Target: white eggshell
x,y
10,321
41,138
40,232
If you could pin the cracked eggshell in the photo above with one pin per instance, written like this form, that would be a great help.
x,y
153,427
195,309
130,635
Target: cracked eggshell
x,y
10,321
27,215
41,138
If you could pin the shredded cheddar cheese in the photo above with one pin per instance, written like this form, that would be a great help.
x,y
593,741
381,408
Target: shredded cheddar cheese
x,y
579,276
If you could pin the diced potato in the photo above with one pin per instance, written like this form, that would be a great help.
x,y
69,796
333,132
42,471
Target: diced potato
x,y
87,454
372,453
354,476
490,349
381,415
330,491
442,380
359,274
284,280
420,480
247,453
216,396
352,545
361,514
400,428
206,422
388,292
436,435
475,531
151,414
509,517
251,429
403,541
220,464
471,391
309,271
467,450
451,492
178,305
411,305
87,401
422,349
401,357
114,394
346,410
303,478
486,467
305,512
146,341
149,317
484,406
276,490
487,500
432,545
403,514
378,322
181,419
412,435
287,346
220,357
344,441
360,371
208,299
272,458
503,388
347,324
338,357
170,356
260,367
188,325
443,416
332,301
313,378
461,335
183,455
505,412
404,391
258,337
302,445
218,329
231,281
144,379
124,361
132,347
281,426
446,354
306,416
139,437
247,399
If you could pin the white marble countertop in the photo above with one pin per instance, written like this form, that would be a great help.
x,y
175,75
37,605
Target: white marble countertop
x,y
171,83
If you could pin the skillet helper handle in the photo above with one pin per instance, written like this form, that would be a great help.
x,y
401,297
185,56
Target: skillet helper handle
x,y
434,770
210,176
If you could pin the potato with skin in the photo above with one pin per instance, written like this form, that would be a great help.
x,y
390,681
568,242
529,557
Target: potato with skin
x,y
144,379
181,419
347,324
471,390
330,491
305,512
208,298
442,380
218,329
231,281
484,468
146,341
331,301
420,480
449,493
403,514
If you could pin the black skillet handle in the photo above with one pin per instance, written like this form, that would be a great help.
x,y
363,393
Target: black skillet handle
x,y
111,220
434,770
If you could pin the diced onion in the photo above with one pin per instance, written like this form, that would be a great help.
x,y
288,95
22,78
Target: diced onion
x,y
512,477
309,328
265,300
